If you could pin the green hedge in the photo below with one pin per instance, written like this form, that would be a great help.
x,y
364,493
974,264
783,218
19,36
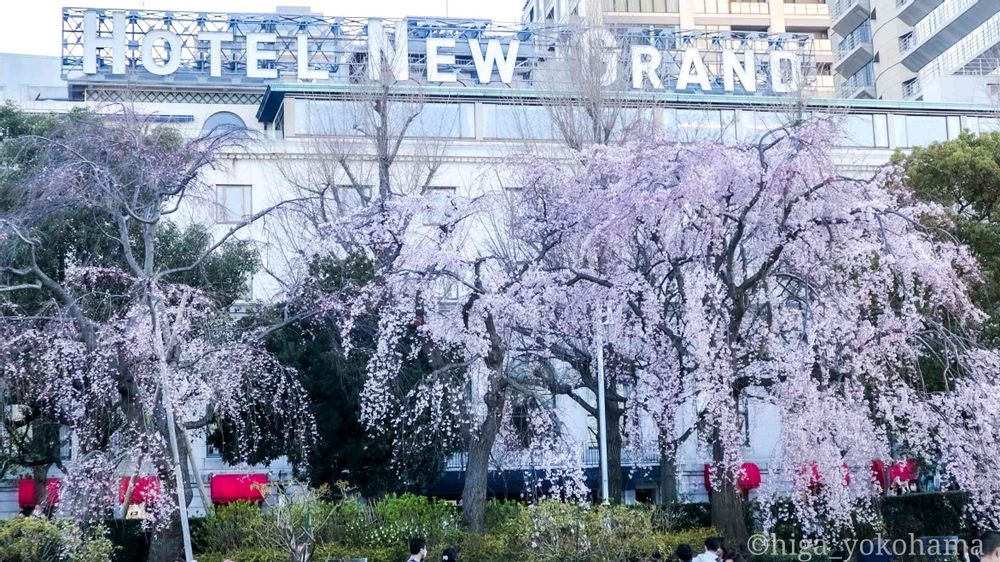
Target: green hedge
x,y
546,532
34,539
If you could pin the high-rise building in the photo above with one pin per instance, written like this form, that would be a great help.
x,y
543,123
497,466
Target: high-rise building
x,y
810,17
931,50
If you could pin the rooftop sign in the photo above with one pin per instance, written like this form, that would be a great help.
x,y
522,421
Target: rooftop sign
x,y
102,46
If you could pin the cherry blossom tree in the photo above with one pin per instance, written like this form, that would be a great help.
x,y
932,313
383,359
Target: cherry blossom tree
x,y
130,358
446,289
758,272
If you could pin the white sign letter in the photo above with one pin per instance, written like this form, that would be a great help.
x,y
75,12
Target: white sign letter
x,y
172,45
379,48
435,59
747,72
304,72
494,56
255,55
91,42
214,40
782,83
645,61
692,60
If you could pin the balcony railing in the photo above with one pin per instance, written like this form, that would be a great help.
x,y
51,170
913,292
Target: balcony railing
x,y
821,46
975,54
858,37
937,19
861,79
911,89
838,7
745,8
807,9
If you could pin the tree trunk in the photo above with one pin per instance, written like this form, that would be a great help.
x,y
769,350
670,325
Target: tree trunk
x,y
167,545
40,474
615,484
726,502
45,443
668,479
480,445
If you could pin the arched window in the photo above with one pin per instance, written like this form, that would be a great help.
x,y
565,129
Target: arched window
x,y
224,122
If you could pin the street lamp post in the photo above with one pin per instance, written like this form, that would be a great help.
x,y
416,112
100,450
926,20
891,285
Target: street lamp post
x,y
602,421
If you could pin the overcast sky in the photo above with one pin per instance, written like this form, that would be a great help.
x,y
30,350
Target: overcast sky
x,y
34,26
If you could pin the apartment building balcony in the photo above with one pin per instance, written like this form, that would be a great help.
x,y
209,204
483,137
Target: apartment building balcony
x,y
912,89
807,15
977,54
824,86
807,9
854,51
749,8
912,11
846,15
943,27
823,50
860,85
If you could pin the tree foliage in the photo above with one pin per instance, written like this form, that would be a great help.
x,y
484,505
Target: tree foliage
x,y
728,275
123,346
963,175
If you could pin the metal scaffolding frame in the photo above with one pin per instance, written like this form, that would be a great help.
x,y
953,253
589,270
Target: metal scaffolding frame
x,y
339,46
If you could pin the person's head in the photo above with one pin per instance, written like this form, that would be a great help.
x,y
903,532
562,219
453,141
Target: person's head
x,y
684,553
449,555
716,545
990,545
418,547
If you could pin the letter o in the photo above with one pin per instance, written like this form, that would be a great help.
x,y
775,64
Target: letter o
x,y
173,44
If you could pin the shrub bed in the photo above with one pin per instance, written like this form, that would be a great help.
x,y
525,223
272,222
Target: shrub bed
x,y
379,531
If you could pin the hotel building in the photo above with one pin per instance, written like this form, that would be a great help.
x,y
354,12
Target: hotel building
x,y
472,121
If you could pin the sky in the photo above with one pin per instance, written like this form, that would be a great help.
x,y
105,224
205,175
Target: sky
x,y
34,26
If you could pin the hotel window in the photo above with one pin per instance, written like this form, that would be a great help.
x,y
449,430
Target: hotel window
x,y
864,131
516,122
329,117
642,6
982,125
351,198
692,125
919,130
755,124
234,203
444,120
224,123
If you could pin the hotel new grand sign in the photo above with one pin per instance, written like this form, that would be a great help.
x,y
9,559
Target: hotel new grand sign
x,y
201,48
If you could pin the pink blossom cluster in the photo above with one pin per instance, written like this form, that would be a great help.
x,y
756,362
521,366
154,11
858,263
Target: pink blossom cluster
x,y
710,274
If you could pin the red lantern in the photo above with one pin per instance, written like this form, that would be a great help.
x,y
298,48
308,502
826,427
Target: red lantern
x,y
878,472
26,492
145,489
747,479
229,488
903,471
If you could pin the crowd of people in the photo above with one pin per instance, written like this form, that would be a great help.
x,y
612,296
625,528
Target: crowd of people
x,y
715,551
987,547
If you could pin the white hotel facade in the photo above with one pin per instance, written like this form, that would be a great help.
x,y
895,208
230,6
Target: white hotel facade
x,y
473,124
